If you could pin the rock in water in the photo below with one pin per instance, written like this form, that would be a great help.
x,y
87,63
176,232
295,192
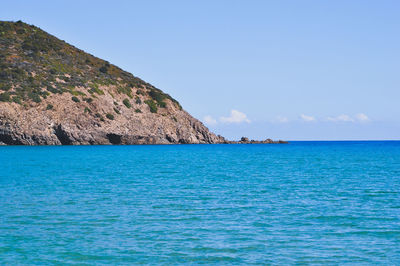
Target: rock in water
x,y
52,93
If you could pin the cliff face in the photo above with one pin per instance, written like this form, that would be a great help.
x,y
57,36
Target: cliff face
x,y
52,93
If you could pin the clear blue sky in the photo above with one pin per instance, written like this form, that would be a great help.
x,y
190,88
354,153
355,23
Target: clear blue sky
x,y
287,69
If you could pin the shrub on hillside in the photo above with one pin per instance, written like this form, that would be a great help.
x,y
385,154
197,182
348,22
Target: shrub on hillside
x,y
5,97
152,105
110,116
34,96
17,99
127,103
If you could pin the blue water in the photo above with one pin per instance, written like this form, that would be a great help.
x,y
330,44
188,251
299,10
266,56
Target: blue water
x,y
305,202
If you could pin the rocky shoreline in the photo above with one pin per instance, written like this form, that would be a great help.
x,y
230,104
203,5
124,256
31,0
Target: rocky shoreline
x,y
113,139
144,141
10,138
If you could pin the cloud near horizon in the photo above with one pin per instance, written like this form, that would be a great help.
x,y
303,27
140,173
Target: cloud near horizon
x,y
307,118
280,119
239,117
361,117
341,118
235,117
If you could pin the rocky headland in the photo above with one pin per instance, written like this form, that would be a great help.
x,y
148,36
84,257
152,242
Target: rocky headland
x,y
52,93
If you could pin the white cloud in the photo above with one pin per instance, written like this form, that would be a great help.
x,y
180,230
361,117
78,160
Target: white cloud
x,y
235,117
307,118
208,119
281,119
341,118
362,117
346,118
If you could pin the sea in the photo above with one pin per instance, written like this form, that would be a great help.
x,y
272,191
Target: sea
x,y
311,202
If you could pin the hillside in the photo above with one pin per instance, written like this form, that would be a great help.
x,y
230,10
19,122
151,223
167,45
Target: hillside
x,y
53,93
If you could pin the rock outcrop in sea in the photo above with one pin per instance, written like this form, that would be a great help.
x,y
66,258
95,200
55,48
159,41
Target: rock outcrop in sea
x,y
245,140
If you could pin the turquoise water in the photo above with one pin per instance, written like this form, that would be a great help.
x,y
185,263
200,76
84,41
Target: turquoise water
x,y
305,202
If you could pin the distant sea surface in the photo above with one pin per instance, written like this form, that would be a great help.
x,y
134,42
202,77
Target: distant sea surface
x,y
305,202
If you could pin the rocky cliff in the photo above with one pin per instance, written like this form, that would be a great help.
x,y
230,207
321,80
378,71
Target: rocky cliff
x,y
52,93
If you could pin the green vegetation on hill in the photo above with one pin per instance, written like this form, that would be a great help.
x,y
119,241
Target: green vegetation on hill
x,y
110,116
35,64
127,103
152,105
